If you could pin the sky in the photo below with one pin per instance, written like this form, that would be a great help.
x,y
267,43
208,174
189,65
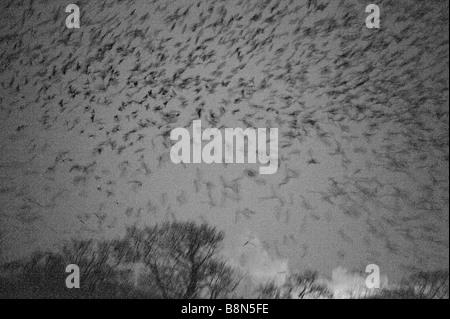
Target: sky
x,y
362,116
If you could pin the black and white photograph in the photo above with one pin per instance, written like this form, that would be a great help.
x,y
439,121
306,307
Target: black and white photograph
x,y
235,150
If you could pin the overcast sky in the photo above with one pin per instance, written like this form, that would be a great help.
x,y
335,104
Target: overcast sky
x,y
362,116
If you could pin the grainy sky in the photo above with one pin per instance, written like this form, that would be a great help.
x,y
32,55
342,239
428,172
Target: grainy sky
x,y
362,116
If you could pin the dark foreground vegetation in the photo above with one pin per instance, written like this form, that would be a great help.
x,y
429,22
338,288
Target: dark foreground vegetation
x,y
172,260
177,260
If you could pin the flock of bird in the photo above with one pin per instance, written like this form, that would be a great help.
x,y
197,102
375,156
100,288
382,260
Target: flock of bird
x,y
86,116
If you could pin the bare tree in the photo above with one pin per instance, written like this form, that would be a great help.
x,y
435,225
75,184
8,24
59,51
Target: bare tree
x,y
296,286
305,285
429,284
99,270
269,290
223,280
421,285
181,259
42,275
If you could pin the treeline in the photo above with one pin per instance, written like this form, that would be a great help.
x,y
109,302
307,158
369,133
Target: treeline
x,y
170,260
421,285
